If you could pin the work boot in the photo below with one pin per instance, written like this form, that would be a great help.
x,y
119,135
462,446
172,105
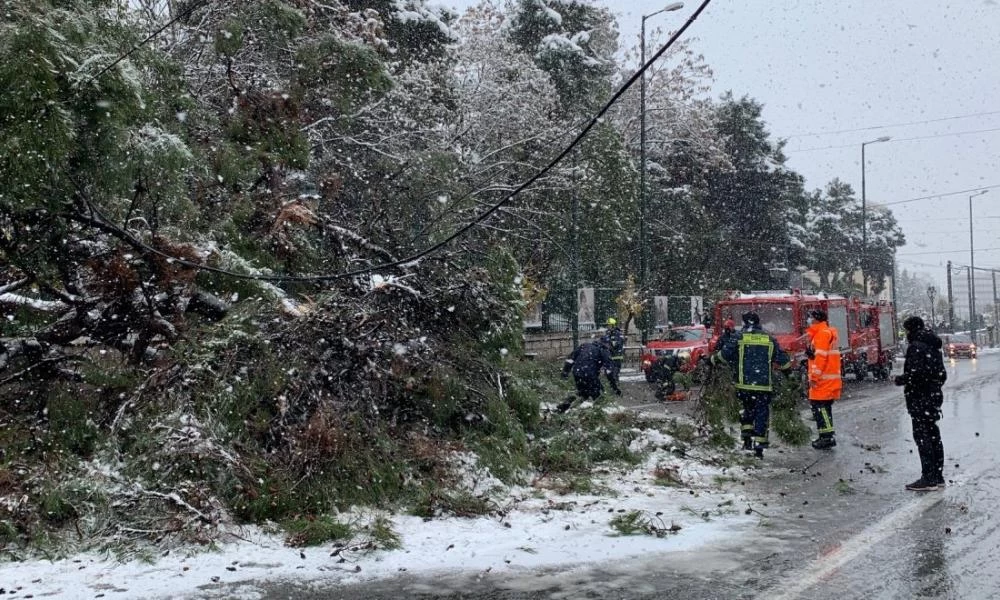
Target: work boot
x,y
747,443
824,442
758,452
923,485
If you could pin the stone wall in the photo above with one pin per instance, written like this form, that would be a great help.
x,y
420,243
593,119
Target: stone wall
x,y
554,346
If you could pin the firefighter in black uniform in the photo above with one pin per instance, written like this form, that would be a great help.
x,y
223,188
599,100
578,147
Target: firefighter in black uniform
x,y
615,341
586,363
751,353
662,372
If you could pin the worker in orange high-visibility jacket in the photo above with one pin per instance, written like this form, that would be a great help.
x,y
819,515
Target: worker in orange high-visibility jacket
x,y
825,382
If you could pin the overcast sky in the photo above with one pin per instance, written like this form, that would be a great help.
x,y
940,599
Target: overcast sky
x,y
822,66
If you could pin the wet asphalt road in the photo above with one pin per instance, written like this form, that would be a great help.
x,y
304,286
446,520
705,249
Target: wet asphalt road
x,y
832,524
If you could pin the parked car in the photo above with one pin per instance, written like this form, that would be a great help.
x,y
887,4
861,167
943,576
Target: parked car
x,y
690,344
958,345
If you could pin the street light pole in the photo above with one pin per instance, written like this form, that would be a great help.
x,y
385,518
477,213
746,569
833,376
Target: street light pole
x,y
864,214
972,271
643,261
931,292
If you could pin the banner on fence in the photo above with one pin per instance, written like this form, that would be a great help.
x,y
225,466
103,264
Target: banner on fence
x,y
661,304
585,310
697,310
533,315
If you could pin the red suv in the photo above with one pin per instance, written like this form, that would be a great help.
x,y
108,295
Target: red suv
x,y
688,343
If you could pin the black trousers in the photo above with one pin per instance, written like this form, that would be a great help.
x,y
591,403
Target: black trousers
x,y
588,388
925,413
755,418
823,414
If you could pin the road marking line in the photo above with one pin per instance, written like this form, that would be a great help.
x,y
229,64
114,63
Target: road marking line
x,y
825,565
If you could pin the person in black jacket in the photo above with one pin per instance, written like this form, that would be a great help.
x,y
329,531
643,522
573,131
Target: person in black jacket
x,y
923,375
586,363
614,339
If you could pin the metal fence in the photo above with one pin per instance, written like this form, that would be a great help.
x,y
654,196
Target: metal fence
x,y
557,311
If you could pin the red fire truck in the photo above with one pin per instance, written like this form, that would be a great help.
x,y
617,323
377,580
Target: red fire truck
x,y
872,328
868,347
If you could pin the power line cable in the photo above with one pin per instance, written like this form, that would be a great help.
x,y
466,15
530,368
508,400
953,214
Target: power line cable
x,y
975,189
876,127
910,139
931,252
180,15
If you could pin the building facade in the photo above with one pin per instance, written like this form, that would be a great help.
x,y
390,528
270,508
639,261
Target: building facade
x,y
985,300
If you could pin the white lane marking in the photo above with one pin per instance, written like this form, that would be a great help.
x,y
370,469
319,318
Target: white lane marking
x,y
824,566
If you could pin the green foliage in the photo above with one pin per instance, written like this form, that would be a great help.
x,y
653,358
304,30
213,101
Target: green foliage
x,y
581,69
229,38
8,533
501,443
718,406
785,417
281,18
435,502
71,422
303,531
635,522
384,535
505,336
629,523
572,443
411,39
348,72
267,123
844,488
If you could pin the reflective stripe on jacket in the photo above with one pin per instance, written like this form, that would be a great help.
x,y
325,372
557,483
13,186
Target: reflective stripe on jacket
x,y
825,382
753,352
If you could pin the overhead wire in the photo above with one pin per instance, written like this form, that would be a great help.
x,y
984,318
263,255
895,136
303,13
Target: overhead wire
x,y
877,127
910,139
940,195
180,15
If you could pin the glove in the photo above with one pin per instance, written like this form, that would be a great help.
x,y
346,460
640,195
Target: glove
x,y
618,391
899,380
810,353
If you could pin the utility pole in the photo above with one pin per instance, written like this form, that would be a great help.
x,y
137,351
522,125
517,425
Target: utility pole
x,y
996,311
892,290
951,302
643,250
972,271
972,309
574,260
931,292
864,215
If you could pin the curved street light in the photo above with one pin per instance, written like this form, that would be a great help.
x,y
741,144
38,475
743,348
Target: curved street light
x,y
864,213
643,261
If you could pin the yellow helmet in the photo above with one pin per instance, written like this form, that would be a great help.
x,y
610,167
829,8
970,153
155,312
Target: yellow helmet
x,y
612,321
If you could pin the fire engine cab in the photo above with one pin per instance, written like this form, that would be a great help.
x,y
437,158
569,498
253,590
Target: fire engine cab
x,y
867,330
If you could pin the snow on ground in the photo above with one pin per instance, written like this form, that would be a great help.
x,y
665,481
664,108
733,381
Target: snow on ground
x,y
535,528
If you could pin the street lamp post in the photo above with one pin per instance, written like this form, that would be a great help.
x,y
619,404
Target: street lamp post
x,y
643,261
864,213
972,272
931,292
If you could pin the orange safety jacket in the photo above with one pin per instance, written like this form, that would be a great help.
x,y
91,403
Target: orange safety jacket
x,y
825,382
